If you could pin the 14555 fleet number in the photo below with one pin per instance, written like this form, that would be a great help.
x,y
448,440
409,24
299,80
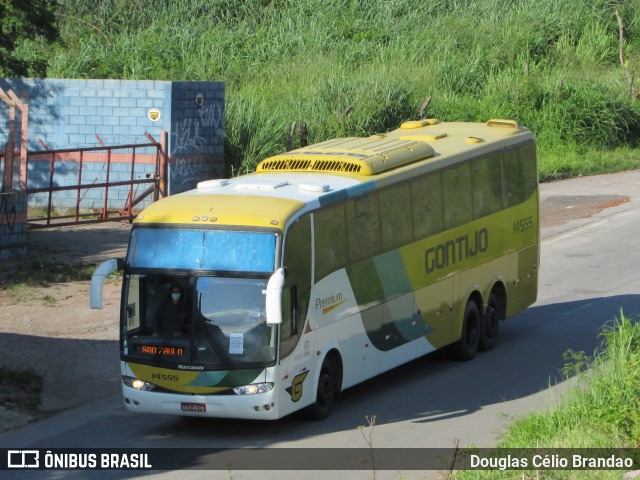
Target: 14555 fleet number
x,y
523,225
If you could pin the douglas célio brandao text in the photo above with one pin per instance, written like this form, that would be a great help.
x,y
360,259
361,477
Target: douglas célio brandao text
x,y
549,461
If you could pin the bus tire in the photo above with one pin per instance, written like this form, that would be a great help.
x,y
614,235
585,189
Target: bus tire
x,y
467,346
490,323
326,392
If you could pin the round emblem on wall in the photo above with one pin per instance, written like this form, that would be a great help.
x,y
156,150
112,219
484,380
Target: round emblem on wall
x,y
154,114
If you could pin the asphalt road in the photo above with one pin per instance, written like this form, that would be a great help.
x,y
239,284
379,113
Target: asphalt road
x,y
588,273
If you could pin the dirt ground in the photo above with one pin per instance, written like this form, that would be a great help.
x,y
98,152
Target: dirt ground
x,y
51,330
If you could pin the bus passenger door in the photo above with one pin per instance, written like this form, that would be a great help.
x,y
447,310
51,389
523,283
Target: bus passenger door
x,y
296,348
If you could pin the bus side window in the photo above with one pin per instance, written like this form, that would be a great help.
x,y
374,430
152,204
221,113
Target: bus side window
x,y
528,168
511,172
330,240
295,295
134,308
395,217
426,206
487,185
458,201
289,328
520,173
363,228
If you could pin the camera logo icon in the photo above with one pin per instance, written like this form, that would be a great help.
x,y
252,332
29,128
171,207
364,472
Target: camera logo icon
x,y
23,459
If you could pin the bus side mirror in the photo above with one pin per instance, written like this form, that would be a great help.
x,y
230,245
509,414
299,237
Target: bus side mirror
x,y
274,297
97,280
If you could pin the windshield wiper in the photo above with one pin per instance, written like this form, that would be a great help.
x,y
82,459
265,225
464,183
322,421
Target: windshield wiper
x,y
163,346
206,327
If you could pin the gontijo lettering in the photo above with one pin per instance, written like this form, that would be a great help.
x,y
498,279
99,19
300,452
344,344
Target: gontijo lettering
x,y
454,251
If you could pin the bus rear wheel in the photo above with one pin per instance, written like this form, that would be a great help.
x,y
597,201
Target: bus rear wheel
x,y
491,323
326,392
467,347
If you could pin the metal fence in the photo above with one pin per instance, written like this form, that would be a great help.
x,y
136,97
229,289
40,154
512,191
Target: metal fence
x,y
96,184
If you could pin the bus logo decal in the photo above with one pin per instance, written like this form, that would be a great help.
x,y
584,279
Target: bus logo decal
x,y
329,303
454,251
295,390
332,307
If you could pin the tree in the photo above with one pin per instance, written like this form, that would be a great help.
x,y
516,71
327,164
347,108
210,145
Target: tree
x,y
22,21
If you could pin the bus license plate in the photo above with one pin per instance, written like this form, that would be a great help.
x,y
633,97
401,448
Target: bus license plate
x,y
193,407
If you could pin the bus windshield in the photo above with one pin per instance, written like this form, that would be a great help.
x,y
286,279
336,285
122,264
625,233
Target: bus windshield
x,y
214,322
194,298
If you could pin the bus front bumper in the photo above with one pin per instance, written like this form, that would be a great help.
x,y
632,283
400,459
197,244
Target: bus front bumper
x,y
260,406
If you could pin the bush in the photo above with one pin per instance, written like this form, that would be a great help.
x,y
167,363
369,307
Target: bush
x,y
601,410
604,402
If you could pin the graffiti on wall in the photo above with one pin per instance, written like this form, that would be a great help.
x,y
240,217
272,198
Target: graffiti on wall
x,y
190,134
187,136
211,115
190,142
184,167
7,215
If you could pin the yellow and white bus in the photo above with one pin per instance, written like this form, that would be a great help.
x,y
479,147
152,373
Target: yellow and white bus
x,y
328,265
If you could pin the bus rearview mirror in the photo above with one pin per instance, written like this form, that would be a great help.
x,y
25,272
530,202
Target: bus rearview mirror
x,y
274,297
98,278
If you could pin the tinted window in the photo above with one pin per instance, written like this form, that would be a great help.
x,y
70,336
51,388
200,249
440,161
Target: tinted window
x,y
395,217
520,173
331,240
456,192
426,206
487,185
295,299
363,228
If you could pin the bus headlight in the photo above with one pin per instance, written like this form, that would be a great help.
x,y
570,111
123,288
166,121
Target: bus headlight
x,y
254,388
137,383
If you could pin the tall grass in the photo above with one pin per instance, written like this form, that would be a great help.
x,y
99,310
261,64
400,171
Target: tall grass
x,y
601,410
605,400
553,65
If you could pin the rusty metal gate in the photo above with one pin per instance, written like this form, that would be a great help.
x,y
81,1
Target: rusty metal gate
x,y
96,184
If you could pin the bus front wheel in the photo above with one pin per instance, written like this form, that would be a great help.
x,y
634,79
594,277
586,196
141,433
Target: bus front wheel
x,y
467,346
326,392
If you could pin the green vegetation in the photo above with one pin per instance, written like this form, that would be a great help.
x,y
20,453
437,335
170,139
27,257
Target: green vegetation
x,y
37,274
49,300
556,66
601,410
26,26
23,283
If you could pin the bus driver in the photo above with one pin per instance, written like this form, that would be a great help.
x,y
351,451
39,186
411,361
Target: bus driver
x,y
171,318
